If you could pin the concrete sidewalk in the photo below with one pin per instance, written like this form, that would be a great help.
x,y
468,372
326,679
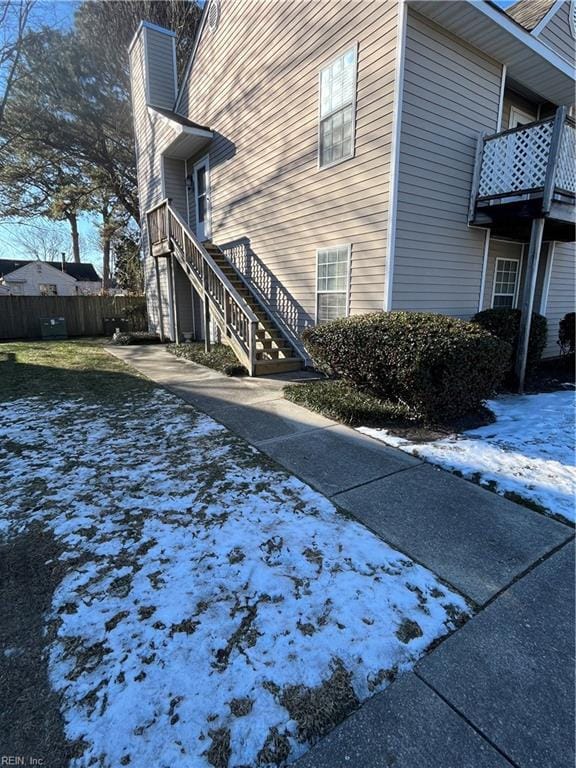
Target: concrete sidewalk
x,y
482,694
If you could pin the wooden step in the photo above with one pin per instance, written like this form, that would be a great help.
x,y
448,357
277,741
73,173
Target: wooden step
x,y
278,353
274,354
268,367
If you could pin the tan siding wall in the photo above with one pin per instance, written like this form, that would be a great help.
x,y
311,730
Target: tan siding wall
x,y
558,35
451,94
175,184
149,137
161,82
255,82
561,292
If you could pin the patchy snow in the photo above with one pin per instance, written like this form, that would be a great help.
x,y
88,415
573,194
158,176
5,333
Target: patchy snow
x,y
213,609
528,451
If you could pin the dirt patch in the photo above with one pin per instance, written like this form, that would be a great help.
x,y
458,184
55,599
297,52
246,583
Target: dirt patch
x,y
318,710
30,720
219,752
241,707
408,630
276,749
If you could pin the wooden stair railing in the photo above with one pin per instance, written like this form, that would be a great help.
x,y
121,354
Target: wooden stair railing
x,y
169,233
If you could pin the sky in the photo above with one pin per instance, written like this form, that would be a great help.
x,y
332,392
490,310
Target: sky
x,y
60,14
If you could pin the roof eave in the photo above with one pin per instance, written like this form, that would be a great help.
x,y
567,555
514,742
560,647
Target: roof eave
x,y
485,26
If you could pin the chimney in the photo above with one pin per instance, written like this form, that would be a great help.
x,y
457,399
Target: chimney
x,y
153,65
63,262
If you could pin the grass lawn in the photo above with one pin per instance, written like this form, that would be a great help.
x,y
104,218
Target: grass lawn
x,y
200,606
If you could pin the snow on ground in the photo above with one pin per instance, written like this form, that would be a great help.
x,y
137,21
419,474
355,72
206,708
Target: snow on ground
x,y
528,451
213,609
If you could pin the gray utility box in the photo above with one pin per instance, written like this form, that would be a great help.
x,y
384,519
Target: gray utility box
x,y
53,328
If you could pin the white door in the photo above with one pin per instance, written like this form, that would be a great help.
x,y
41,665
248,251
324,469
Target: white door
x,y
202,198
518,117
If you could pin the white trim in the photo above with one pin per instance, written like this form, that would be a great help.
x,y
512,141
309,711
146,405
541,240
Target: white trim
x,y
146,67
188,70
520,115
547,277
178,127
501,100
149,25
522,260
353,47
546,18
175,66
484,268
395,154
204,161
518,260
522,35
348,247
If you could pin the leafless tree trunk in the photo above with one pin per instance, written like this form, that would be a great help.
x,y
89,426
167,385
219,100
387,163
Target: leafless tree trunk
x,y
14,15
72,219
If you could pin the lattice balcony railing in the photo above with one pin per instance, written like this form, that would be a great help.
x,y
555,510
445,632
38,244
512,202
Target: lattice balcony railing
x,y
517,161
566,169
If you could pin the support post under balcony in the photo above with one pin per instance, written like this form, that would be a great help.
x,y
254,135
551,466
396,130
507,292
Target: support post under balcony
x,y
536,236
174,300
159,292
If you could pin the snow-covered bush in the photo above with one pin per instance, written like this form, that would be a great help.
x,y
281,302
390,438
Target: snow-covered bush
x,y
440,367
505,324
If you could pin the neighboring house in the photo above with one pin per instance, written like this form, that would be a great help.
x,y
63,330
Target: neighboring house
x,y
320,159
41,278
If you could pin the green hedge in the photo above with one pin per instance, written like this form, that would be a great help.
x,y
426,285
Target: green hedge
x,y
566,333
505,325
439,366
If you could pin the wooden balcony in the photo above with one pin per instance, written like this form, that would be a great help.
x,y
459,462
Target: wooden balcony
x,y
527,173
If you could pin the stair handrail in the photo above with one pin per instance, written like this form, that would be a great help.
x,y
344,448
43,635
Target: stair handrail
x,y
210,264
213,265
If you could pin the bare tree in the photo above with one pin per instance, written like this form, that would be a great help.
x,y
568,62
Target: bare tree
x,y
14,17
45,243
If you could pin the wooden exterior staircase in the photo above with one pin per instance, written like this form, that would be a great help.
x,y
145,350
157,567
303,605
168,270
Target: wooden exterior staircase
x,y
228,300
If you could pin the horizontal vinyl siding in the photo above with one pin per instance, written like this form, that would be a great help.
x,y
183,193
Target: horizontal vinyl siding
x,y
255,83
560,293
451,94
161,82
175,184
148,138
558,35
35,274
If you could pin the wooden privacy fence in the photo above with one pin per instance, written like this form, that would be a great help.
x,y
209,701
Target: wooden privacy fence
x,y
20,315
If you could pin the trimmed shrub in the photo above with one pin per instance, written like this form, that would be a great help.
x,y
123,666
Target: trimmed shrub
x,y
124,338
505,325
440,367
221,357
344,402
566,333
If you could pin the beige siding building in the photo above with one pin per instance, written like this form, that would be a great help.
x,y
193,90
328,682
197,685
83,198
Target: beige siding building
x,y
321,159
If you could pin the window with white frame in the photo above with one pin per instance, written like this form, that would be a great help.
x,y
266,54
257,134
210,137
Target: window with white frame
x,y
332,282
48,289
338,109
505,283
